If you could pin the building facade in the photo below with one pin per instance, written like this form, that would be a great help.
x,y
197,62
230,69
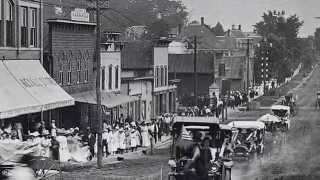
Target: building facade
x,y
69,58
29,94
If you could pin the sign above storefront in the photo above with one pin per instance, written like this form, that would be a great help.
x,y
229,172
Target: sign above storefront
x,y
79,15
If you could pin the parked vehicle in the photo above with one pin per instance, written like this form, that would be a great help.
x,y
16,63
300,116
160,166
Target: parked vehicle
x,y
249,139
183,146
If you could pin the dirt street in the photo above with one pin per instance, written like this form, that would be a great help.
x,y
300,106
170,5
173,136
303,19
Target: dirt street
x,y
298,155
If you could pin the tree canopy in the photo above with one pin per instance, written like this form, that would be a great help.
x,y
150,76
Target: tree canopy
x,y
153,13
218,29
282,31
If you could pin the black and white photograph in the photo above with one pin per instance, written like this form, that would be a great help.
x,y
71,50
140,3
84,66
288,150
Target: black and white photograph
x,y
159,89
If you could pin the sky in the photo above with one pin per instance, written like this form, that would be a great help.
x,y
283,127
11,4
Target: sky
x,y
249,12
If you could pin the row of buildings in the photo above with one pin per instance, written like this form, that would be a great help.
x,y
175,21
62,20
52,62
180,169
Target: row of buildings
x,y
48,68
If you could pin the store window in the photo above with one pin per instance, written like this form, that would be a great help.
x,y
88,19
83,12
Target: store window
x,y
33,27
24,27
110,77
8,17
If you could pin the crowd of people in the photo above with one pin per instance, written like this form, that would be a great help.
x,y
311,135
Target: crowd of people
x,y
217,105
81,145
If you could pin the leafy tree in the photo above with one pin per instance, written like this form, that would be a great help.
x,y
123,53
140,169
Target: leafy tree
x,y
218,29
282,32
153,13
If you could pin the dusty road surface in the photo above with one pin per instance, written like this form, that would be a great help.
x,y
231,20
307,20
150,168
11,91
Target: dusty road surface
x,y
298,156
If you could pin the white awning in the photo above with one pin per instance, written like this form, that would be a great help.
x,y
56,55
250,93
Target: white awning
x,y
108,99
28,88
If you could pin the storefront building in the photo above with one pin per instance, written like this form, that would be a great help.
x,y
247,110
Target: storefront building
x,y
69,59
28,94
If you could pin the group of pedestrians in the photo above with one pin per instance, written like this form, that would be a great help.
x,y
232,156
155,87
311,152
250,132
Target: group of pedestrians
x,y
128,137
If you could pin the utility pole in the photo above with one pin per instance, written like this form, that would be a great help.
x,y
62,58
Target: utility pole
x,y
248,71
98,81
195,72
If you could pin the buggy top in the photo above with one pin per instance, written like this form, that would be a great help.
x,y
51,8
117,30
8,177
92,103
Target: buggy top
x,y
247,125
269,118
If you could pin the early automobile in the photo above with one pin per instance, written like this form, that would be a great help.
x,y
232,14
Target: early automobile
x,y
249,139
290,100
284,114
189,133
272,122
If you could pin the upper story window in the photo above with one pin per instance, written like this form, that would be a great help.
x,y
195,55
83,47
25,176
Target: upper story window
x,y
24,27
103,78
162,76
222,69
60,74
78,71
156,77
117,77
69,72
33,27
86,71
7,28
110,77
166,75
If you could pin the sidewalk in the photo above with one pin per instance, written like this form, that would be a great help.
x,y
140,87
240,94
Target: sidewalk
x,y
112,159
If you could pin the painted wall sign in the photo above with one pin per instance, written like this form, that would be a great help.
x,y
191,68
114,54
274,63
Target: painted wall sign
x,y
80,15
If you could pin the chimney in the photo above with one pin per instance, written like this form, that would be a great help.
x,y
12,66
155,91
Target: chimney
x,y
202,21
239,27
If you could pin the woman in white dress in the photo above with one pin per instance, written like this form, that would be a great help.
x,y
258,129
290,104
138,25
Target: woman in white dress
x,y
112,145
63,149
122,142
134,138
145,135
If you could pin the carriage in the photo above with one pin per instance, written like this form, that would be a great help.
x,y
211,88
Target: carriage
x,y
290,100
248,140
284,114
220,166
272,122
11,155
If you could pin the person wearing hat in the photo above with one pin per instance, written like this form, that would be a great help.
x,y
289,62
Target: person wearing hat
x,y
45,144
122,143
145,135
105,137
201,160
